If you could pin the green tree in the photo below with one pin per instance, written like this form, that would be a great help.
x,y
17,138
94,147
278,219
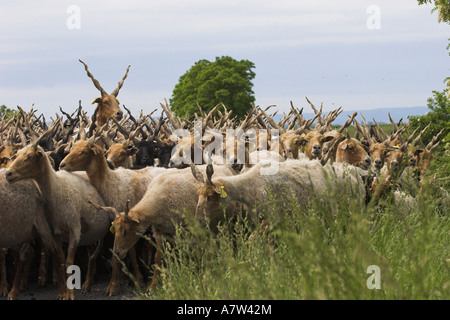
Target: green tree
x,y
6,113
443,9
208,83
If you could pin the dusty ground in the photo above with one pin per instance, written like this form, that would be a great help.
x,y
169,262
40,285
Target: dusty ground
x,y
102,276
33,292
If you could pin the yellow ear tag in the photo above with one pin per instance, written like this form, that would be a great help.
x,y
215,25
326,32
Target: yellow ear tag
x,y
223,194
95,101
111,229
397,147
303,135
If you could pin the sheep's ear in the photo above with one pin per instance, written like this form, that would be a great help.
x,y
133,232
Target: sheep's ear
x,y
220,189
196,173
40,153
132,150
327,138
343,146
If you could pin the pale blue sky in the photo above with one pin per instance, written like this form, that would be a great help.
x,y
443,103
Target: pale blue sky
x,y
322,49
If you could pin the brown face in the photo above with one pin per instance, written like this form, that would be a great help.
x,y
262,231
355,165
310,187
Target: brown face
x,y
118,154
125,234
352,152
27,165
293,142
378,153
209,205
314,141
394,159
80,157
108,108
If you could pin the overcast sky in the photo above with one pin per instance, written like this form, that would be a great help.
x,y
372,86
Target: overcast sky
x,y
331,51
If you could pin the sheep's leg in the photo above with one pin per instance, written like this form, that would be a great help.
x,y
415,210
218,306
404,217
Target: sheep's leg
x,y
58,262
158,261
28,259
74,239
91,267
3,281
134,264
42,276
116,277
19,271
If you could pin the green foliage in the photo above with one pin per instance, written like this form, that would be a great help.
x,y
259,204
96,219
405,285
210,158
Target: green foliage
x,y
6,113
442,6
225,80
439,116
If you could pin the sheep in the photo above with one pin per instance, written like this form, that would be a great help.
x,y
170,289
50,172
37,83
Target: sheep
x,y
22,214
66,197
353,152
121,155
299,178
107,105
116,186
167,195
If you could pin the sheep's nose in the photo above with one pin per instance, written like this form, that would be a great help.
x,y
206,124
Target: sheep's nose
x,y
8,174
394,164
119,115
378,163
62,165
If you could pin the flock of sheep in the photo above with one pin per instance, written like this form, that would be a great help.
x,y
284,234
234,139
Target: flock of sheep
x,y
67,185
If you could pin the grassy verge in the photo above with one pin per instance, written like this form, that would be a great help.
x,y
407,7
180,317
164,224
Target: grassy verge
x,y
321,251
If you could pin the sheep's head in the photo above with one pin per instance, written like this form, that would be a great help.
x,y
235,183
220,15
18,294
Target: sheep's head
x,y
126,232
125,228
27,165
30,161
165,147
394,159
108,104
292,142
378,152
182,152
81,156
119,154
212,198
353,152
6,155
313,144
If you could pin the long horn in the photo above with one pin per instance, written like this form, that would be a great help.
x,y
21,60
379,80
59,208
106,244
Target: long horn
x,y
431,145
92,140
44,135
347,123
127,210
209,173
95,81
120,84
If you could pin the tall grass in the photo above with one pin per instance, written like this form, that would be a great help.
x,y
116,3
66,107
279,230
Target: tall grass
x,y
318,251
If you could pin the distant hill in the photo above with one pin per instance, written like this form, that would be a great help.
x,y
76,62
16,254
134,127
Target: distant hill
x,y
380,115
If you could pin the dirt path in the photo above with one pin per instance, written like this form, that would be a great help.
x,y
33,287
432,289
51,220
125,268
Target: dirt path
x,y
33,292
